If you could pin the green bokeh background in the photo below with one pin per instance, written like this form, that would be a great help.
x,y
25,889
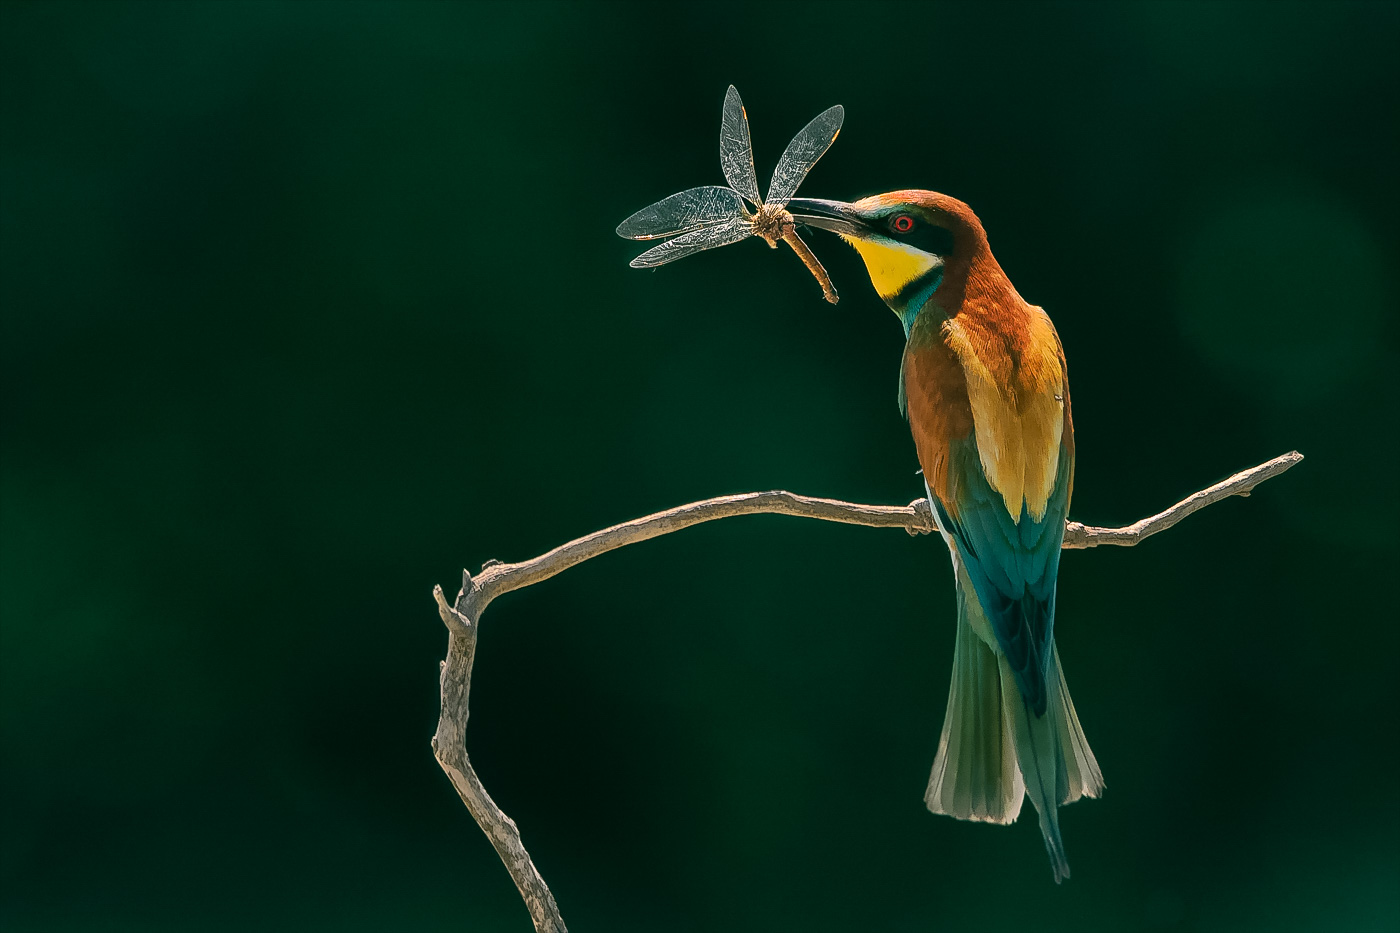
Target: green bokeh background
x,y
304,307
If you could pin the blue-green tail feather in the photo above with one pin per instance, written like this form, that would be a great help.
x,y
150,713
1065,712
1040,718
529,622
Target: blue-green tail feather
x,y
995,749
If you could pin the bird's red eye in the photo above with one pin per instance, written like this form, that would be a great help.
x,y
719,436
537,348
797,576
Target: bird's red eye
x,y
903,223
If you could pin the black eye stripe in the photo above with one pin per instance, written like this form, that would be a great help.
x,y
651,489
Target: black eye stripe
x,y
931,239
921,234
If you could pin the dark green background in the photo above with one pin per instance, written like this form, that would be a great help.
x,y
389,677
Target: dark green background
x,y
308,306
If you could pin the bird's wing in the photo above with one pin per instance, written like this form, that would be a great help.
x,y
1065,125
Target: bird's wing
x,y
1012,565
995,442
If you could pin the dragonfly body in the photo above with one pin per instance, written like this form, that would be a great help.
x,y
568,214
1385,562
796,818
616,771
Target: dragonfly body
x,y
710,216
984,384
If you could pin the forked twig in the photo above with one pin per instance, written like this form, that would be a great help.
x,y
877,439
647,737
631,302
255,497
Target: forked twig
x,y
450,749
462,618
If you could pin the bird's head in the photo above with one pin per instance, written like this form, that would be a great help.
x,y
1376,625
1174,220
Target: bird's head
x,y
911,241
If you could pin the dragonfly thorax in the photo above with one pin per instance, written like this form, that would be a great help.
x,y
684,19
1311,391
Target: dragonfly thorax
x,y
773,223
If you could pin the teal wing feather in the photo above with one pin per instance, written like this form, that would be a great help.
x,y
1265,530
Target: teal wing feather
x,y
1012,565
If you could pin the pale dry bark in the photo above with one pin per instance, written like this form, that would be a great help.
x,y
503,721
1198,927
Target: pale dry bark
x,y
495,578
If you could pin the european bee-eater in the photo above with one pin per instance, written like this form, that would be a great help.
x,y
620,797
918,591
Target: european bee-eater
x,y
984,386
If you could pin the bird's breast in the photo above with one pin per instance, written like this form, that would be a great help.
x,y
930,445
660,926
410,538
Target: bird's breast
x,y
999,377
940,412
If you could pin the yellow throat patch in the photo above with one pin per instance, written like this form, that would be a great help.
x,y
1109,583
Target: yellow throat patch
x,y
891,265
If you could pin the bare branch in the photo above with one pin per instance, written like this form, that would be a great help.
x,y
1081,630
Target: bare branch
x,y
915,518
450,749
1084,536
495,578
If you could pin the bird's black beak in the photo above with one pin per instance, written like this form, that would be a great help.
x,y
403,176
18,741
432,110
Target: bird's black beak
x,y
836,216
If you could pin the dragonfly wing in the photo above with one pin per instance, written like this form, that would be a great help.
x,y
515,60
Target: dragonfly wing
x,y
803,152
683,212
736,148
695,241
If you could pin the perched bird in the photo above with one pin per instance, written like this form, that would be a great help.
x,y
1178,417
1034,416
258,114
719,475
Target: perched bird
x,y
984,387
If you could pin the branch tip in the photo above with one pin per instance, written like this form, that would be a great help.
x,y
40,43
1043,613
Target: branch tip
x,y
451,617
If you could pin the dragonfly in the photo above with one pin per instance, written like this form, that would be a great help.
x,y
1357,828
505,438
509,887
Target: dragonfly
x,y
714,215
